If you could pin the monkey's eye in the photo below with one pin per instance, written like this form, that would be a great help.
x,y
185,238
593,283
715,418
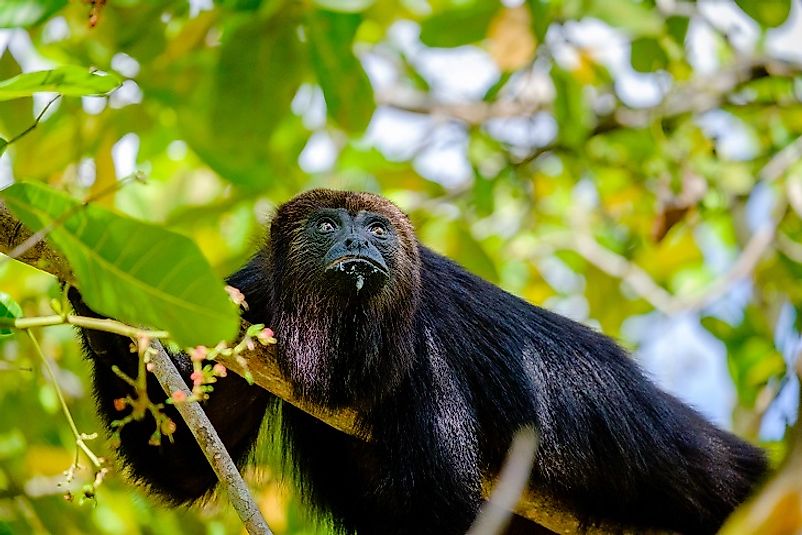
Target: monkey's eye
x,y
378,230
325,226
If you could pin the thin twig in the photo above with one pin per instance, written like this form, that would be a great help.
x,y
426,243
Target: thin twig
x,y
79,437
781,161
98,324
35,121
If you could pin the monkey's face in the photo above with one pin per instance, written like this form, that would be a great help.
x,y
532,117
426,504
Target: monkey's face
x,y
339,247
353,249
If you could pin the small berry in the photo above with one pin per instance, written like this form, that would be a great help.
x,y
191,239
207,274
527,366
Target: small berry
x,y
168,426
237,297
266,336
197,377
197,353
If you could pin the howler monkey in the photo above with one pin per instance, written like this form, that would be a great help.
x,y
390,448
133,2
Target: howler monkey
x,y
443,368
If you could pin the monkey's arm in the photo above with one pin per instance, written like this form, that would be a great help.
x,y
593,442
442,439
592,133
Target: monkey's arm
x,y
177,469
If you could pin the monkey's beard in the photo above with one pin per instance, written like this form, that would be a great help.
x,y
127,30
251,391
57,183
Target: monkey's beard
x,y
340,354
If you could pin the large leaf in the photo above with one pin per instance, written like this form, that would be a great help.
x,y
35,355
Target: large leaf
x,y
230,119
346,88
129,270
25,13
69,80
768,13
9,309
460,26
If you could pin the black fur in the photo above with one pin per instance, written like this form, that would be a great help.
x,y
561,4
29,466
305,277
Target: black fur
x,y
444,371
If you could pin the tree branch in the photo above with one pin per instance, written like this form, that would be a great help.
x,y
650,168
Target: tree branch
x,y
700,94
535,505
206,436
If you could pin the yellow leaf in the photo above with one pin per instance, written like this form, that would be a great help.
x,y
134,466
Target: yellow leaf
x,y
512,44
47,460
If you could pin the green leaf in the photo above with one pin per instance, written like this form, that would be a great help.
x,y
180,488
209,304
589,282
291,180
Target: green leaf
x,y
677,27
240,5
571,110
717,327
457,27
636,18
493,91
647,55
9,309
346,88
541,17
229,119
25,13
129,270
69,80
345,6
474,257
3,145
767,13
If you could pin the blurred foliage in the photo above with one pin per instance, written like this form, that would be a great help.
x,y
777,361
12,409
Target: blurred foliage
x,y
609,159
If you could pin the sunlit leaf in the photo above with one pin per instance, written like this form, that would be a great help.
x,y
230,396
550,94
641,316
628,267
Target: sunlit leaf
x,y
69,80
346,88
541,17
230,119
9,309
512,43
25,13
717,327
637,18
678,28
457,27
769,13
345,6
130,270
648,55
570,107
474,257
676,251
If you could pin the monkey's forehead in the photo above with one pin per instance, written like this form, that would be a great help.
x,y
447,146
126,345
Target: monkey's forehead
x,y
307,203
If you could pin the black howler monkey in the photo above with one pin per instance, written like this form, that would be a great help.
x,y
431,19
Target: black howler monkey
x,y
443,367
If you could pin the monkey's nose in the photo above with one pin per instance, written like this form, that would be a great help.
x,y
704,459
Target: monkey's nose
x,y
355,241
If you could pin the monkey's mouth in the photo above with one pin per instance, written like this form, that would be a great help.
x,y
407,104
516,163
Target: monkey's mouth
x,y
358,272
357,264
